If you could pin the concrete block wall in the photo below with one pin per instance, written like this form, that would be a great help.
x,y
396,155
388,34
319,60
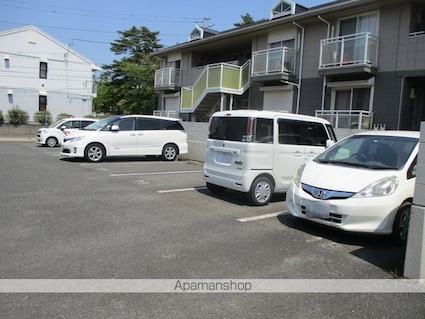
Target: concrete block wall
x,y
197,134
20,130
414,264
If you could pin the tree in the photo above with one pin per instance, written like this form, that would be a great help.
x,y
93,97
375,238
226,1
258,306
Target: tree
x,y
246,20
126,86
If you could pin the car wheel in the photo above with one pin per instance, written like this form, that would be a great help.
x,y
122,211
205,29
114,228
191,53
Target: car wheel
x,y
169,152
261,191
51,141
401,224
215,189
94,153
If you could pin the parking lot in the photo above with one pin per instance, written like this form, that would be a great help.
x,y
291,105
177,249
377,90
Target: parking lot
x,y
148,219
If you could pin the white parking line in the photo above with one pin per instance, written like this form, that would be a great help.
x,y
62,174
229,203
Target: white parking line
x,y
259,217
155,173
182,190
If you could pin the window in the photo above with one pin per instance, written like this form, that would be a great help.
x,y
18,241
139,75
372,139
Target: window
x,y
43,70
10,96
42,102
85,123
75,124
282,44
289,132
145,124
302,133
126,124
283,8
352,99
264,131
230,129
362,23
313,134
171,125
417,19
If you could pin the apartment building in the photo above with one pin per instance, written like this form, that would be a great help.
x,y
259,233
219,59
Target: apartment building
x,y
358,63
38,73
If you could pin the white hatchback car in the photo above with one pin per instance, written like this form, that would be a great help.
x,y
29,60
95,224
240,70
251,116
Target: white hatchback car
x,y
364,183
53,135
127,135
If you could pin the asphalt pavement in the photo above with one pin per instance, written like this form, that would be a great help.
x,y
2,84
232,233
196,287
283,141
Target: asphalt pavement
x,y
144,219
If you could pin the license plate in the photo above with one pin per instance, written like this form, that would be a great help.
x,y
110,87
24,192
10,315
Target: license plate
x,y
316,209
223,158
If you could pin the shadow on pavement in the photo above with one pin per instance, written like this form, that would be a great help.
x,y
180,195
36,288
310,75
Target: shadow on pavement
x,y
377,250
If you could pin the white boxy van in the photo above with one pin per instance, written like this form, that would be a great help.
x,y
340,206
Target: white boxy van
x,y
258,152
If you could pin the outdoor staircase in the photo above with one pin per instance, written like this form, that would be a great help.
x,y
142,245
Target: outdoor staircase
x,y
204,97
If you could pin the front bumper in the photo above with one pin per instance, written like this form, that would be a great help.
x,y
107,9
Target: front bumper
x,y
72,149
369,215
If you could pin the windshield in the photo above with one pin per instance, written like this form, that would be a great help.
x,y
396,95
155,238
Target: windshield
x,y
56,123
370,151
102,124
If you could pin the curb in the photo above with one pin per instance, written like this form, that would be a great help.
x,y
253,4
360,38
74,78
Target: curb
x,y
17,139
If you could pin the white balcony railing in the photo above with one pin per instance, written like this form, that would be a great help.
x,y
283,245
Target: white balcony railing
x,y
166,113
354,119
168,77
273,61
348,50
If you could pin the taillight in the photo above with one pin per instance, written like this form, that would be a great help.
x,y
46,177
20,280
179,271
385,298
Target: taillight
x,y
249,126
249,129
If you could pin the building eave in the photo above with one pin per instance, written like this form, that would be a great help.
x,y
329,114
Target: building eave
x,y
314,12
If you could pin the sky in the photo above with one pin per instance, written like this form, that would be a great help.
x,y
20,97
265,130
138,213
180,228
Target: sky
x,y
89,27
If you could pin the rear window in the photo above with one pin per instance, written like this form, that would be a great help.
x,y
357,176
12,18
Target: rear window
x,y
229,128
241,129
171,125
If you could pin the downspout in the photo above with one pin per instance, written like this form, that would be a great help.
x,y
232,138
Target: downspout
x,y
329,25
300,67
324,78
400,102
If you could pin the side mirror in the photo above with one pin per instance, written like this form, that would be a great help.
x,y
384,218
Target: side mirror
x,y
329,143
115,128
63,127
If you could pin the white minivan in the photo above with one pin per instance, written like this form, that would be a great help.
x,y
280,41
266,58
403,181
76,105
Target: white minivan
x,y
128,135
258,152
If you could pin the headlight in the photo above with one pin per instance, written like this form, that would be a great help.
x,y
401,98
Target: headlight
x,y
297,176
73,139
383,187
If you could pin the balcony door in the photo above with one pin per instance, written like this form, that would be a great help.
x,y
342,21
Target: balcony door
x,y
348,103
354,48
352,99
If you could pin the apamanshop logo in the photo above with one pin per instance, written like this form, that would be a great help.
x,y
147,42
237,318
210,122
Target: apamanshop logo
x,y
212,286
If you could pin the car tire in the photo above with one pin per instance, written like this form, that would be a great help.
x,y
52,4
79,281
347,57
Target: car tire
x,y
95,152
170,152
215,189
51,141
401,224
261,191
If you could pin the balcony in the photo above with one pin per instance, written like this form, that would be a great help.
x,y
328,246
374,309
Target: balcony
x,y
167,79
277,64
346,119
349,54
